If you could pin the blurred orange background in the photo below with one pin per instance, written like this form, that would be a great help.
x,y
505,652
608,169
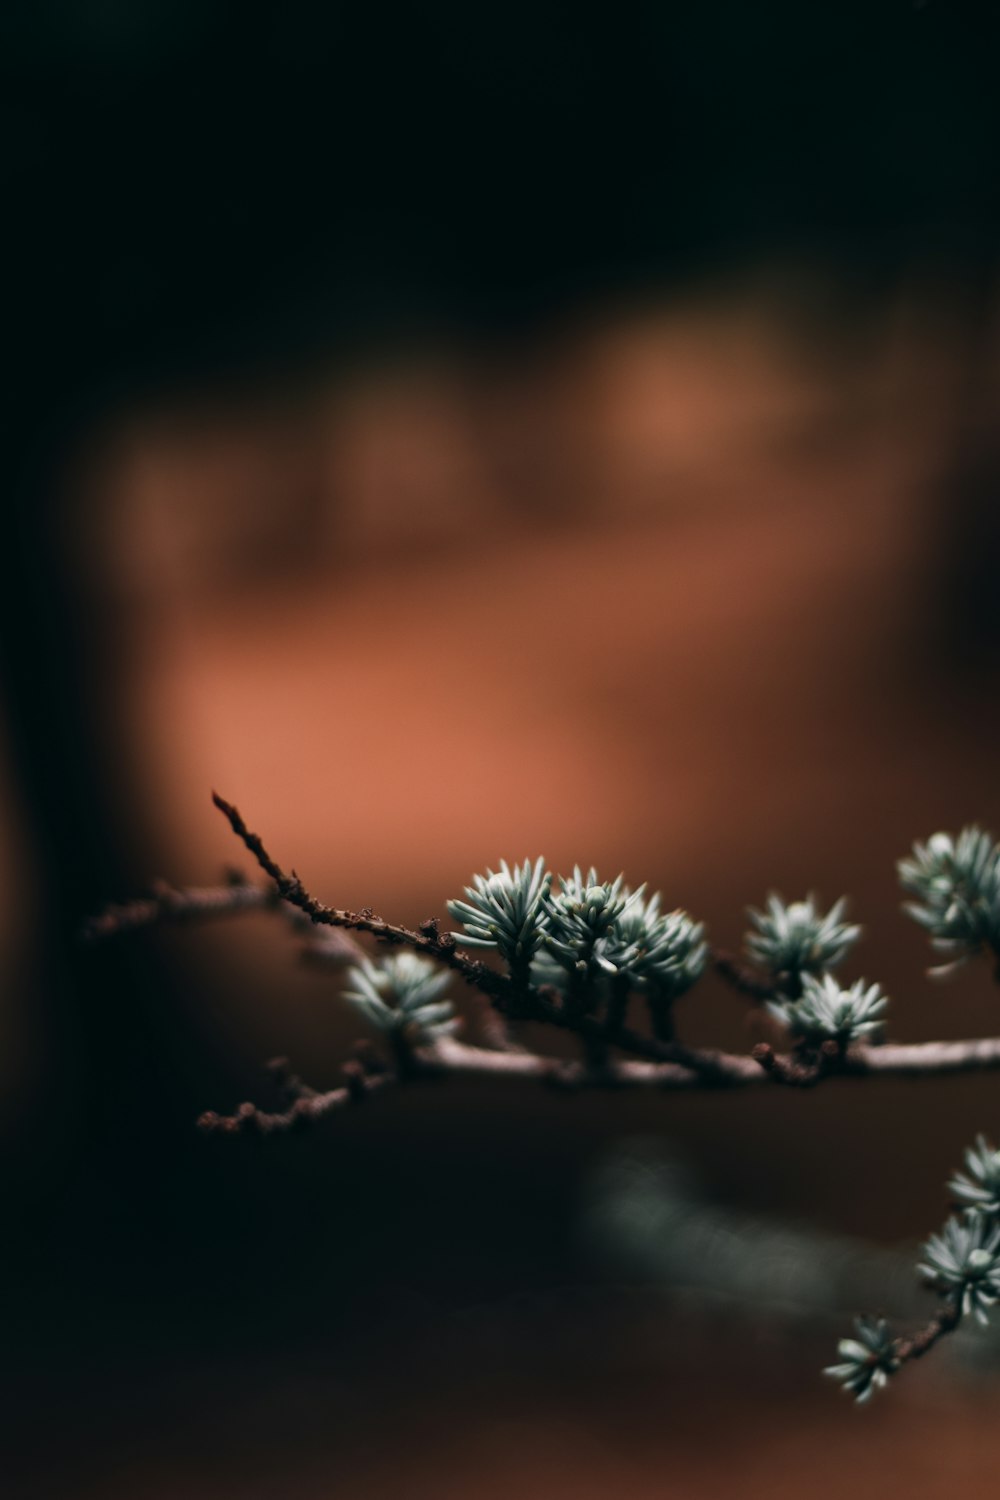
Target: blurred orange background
x,y
690,575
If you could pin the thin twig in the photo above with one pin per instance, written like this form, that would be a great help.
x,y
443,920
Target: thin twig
x,y
307,1106
179,905
305,1111
945,1320
440,946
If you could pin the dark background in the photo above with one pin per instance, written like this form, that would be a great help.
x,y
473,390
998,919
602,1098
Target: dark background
x,y
456,433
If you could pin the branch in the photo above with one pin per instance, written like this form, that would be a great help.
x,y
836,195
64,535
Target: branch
x,y
450,1057
363,1075
523,1000
680,1066
179,905
714,1070
327,947
945,1320
820,1017
707,1069
655,1063
925,1059
429,941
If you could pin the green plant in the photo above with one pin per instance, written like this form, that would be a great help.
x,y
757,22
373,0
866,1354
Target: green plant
x,y
603,963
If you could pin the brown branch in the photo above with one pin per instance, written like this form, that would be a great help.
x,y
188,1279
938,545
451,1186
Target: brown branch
x,y
307,1106
945,1320
191,902
439,946
327,947
713,1070
450,1056
703,1069
363,1075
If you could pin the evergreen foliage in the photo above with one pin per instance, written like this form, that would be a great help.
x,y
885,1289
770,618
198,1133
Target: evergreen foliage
x,y
794,938
401,993
957,885
826,1013
574,952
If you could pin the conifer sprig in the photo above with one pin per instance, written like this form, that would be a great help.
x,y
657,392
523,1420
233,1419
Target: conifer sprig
x,y
962,1262
827,1013
573,956
793,938
505,909
956,882
401,993
581,915
867,1360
